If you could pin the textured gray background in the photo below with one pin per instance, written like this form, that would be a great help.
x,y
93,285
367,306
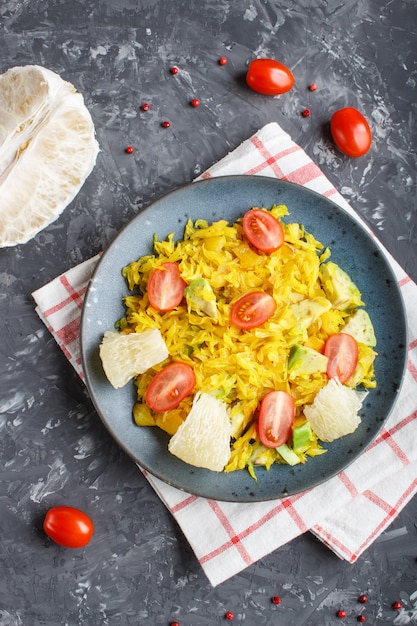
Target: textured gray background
x,y
53,448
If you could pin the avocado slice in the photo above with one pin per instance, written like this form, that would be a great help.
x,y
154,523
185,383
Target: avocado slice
x,y
288,455
307,311
360,327
339,287
200,298
302,436
305,360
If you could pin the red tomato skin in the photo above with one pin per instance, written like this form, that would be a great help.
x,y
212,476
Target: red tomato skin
x,y
269,77
342,351
170,386
276,417
252,309
351,132
166,287
68,527
263,231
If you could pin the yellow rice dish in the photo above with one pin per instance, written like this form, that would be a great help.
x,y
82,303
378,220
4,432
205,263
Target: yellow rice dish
x,y
235,365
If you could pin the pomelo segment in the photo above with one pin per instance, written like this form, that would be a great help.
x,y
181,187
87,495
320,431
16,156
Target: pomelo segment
x,y
203,439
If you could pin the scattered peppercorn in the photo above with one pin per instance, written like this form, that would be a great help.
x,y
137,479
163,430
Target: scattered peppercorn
x,y
174,70
397,606
313,87
276,600
230,616
129,150
166,124
341,614
363,598
222,61
174,624
306,113
361,619
195,102
145,106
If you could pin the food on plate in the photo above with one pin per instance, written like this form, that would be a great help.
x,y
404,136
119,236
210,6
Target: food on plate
x,y
269,77
68,527
203,439
47,150
126,356
351,132
248,341
334,411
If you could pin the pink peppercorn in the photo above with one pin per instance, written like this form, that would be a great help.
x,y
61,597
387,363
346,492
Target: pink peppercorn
x,y
361,619
363,598
174,70
276,600
222,61
230,616
195,102
145,106
306,113
129,150
313,87
341,614
174,624
397,606
166,124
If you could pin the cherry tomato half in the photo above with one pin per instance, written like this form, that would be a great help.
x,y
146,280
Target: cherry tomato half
x,y
169,387
166,287
351,132
68,527
342,351
269,77
276,417
252,309
263,230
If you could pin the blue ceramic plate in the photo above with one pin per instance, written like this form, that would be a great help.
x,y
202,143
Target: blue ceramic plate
x,y
228,198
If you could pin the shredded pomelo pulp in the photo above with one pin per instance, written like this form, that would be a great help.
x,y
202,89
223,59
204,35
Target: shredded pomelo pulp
x,y
47,150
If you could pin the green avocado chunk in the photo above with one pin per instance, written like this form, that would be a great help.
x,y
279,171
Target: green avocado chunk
x,y
360,327
200,298
302,436
305,360
339,287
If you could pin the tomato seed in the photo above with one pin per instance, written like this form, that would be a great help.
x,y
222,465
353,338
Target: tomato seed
x,y
166,124
145,106
306,113
222,61
397,606
174,70
363,598
129,150
230,616
195,102
341,614
313,87
276,599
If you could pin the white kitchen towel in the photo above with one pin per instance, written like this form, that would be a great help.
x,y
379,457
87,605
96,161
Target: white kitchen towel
x,y
349,511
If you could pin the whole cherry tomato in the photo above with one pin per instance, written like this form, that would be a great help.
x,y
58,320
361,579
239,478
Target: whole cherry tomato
x,y
351,132
68,527
269,77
